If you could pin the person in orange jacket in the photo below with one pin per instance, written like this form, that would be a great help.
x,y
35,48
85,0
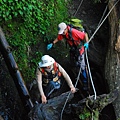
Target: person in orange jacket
x,y
48,77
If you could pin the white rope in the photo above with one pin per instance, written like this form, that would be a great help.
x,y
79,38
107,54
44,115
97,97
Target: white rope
x,y
102,21
91,39
78,73
69,94
78,7
103,15
90,75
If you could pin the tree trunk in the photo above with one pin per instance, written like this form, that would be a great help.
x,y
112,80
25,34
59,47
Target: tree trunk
x,y
112,66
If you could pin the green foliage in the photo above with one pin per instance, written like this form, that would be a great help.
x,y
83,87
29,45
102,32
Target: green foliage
x,y
88,114
27,23
85,114
60,15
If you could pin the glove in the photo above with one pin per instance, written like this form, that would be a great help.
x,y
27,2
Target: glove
x,y
49,46
86,45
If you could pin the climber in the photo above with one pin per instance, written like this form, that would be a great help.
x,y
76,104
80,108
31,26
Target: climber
x,y
48,77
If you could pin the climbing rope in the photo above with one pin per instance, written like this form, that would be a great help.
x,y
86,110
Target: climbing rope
x,y
103,21
103,15
99,25
70,93
90,74
78,8
91,39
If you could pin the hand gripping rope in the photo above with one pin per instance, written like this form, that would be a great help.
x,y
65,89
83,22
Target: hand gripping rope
x,y
70,93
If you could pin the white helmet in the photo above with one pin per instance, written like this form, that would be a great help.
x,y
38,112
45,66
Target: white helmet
x,y
46,60
61,27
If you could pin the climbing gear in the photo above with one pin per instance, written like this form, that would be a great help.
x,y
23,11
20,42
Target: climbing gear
x,y
75,43
77,27
49,46
75,50
76,24
46,61
53,75
103,21
70,93
78,8
86,45
70,38
100,24
70,32
103,15
78,44
61,27
90,75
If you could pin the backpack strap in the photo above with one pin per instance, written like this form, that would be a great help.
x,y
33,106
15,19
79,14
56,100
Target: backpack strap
x,y
41,70
56,69
70,36
55,66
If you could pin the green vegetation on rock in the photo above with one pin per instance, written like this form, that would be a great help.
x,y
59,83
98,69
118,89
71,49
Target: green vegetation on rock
x,y
28,25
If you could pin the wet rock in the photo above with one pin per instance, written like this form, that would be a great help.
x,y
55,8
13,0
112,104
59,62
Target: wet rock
x,y
51,110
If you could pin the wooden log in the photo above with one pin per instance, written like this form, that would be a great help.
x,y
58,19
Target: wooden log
x,y
14,72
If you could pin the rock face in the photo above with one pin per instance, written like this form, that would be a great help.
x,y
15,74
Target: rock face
x,y
51,110
91,20
112,66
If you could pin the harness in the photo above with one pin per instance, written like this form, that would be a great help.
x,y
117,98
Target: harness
x,y
74,47
53,75
71,38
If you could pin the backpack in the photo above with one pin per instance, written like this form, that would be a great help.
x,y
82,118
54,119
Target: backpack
x,y
76,24
76,27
